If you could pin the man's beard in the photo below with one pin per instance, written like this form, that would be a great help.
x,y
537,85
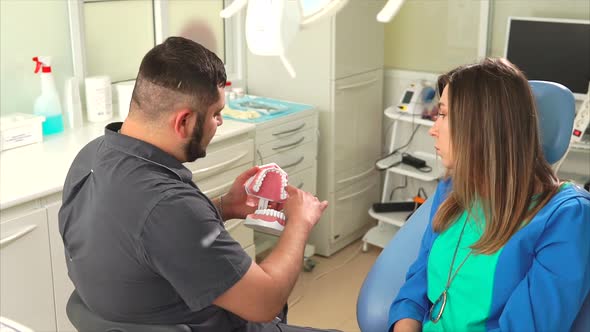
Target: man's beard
x,y
193,148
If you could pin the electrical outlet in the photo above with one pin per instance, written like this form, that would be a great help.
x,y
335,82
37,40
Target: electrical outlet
x,y
582,119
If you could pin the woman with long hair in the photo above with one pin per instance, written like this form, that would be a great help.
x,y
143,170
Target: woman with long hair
x,y
508,245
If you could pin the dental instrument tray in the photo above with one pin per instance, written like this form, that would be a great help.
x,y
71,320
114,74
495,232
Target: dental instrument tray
x,y
242,109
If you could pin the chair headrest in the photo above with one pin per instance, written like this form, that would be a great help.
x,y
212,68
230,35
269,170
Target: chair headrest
x,y
556,107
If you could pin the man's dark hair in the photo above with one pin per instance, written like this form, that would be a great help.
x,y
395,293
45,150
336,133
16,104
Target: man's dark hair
x,y
177,73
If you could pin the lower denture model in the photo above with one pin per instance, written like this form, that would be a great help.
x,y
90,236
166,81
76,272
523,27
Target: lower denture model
x,y
268,185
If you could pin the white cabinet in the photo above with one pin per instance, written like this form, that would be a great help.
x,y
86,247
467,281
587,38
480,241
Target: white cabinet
x,y
357,125
358,38
348,207
339,64
62,285
26,290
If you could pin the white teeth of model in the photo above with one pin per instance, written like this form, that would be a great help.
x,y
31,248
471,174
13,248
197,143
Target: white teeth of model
x,y
271,213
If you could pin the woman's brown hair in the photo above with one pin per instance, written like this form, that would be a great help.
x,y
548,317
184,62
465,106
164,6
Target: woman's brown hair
x,y
498,158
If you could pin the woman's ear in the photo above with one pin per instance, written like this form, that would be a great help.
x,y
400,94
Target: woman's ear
x,y
183,123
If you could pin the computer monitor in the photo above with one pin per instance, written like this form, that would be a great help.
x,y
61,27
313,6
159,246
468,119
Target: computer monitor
x,y
556,50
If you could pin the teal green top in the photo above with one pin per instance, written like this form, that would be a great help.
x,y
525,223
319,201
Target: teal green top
x,y
469,297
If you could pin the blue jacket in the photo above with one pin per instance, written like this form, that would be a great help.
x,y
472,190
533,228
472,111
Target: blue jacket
x,y
542,276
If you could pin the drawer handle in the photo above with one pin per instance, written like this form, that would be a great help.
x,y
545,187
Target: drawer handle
x,y
290,144
17,235
294,164
223,164
356,85
363,174
299,186
356,193
223,188
289,131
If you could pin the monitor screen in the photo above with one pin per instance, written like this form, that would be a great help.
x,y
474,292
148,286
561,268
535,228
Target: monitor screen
x,y
551,50
407,97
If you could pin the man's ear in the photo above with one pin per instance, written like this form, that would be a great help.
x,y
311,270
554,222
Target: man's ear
x,y
183,122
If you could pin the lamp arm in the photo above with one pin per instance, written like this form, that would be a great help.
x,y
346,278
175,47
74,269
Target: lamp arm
x,y
233,8
389,10
330,9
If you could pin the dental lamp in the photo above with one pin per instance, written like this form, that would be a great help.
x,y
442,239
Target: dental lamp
x,y
271,25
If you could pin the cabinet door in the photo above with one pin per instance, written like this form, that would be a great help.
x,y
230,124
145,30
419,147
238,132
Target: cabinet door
x,y
351,207
62,285
304,180
26,290
357,122
359,38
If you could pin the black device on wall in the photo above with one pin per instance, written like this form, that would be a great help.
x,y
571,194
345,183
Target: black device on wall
x,y
556,50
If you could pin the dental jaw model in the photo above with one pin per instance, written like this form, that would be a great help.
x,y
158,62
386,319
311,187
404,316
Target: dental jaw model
x,y
268,185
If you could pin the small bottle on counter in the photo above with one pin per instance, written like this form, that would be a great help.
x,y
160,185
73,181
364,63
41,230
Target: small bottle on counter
x,y
48,104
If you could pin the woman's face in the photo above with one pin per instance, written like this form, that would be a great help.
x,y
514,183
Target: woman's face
x,y
440,131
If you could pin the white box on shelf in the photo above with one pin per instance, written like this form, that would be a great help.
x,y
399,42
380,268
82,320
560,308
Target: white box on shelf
x,y
20,129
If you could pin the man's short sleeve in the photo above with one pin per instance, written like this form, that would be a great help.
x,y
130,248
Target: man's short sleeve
x,y
186,243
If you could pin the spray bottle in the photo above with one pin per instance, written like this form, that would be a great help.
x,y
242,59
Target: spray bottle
x,y
48,104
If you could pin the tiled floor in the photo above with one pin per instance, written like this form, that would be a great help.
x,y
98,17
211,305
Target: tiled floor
x,y
326,297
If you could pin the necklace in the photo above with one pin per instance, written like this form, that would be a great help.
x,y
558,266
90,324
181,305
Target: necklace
x,y
438,307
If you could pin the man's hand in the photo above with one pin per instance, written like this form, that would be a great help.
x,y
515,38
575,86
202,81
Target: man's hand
x,y
233,204
303,208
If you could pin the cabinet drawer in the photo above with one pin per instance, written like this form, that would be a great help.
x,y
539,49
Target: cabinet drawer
x,y
26,289
351,205
295,160
346,177
286,143
222,159
242,234
304,180
217,185
285,129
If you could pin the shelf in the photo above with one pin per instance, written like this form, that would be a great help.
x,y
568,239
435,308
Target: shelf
x,y
432,160
392,113
394,218
582,145
380,235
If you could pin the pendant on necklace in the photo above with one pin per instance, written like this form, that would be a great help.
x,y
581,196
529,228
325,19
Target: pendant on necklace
x,y
438,307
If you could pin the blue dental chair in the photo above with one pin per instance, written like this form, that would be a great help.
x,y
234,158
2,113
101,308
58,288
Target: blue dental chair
x,y
556,108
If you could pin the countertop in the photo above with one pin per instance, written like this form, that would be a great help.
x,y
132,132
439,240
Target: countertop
x,y
38,170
